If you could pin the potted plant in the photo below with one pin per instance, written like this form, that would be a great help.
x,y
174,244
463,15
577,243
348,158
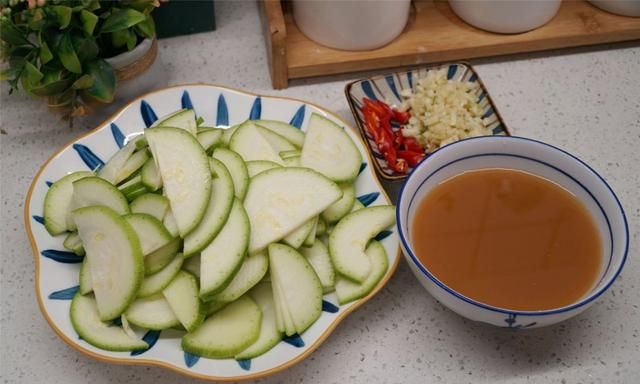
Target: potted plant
x,y
75,52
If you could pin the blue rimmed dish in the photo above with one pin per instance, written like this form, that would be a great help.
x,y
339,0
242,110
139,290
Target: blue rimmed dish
x,y
388,88
537,158
56,271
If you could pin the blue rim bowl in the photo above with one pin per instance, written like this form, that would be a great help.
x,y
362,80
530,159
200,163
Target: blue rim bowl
x,y
535,157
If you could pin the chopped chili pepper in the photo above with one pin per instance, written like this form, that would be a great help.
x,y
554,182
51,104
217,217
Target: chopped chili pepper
x,y
399,151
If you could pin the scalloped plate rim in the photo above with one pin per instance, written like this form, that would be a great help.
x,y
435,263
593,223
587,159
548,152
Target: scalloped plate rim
x,y
105,124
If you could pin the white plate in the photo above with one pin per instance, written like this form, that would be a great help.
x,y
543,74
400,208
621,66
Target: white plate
x,y
57,271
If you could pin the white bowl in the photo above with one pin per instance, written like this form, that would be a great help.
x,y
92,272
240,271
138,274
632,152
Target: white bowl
x,y
514,16
352,25
537,158
619,7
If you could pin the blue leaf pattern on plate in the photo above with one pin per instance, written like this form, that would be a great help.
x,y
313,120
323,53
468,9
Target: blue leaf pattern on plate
x,y
90,159
362,167
392,85
369,198
118,136
190,359
245,364
294,340
329,307
452,71
148,115
511,322
366,88
62,256
186,100
150,338
64,294
383,235
222,117
256,109
39,219
298,118
49,183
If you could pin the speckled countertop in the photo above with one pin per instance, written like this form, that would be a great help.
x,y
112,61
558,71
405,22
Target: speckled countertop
x,y
586,101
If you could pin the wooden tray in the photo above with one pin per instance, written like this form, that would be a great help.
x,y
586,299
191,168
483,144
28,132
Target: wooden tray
x,y
434,34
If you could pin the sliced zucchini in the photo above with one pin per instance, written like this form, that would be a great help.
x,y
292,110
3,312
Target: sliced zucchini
x,y
349,238
192,265
282,199
252,270
151,204
73,243
300,234
186,177
115,258
170,224
311,237
278,143
161,257
322,227
288,131
269,334
340,208
226,136
133,164
210,138
300,286
152,312
329,150
149,175
251,145
88,324
93,191
292,161
85,277
357,205
290,153
182,295
57,203
110,170
286,321
236,167
348,291
220,201
160,280
150,231
222,258
257,166
318,257
211,307
183,119
227,332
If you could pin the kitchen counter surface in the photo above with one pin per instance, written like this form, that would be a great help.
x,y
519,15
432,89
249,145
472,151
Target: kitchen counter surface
x,y
586,101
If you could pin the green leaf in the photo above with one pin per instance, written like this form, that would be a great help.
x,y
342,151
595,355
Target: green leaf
x,y
132,40
9,73
122,19
31,73
36,21
104,80
11,34
62,15
68,56
120,38
86,48
45,52
147,28
89,21
85,81
52,88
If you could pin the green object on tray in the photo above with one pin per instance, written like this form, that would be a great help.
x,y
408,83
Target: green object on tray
x,y
184,17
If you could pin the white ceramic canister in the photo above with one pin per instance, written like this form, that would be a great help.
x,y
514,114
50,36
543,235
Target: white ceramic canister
x,y
619,7
506,16
353,25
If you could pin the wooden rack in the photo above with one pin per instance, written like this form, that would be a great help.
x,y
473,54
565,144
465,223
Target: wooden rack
x,y
434,34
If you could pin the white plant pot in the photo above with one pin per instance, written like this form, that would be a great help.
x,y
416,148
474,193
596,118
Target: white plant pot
x,y
139,71
506,16
619,7
352,25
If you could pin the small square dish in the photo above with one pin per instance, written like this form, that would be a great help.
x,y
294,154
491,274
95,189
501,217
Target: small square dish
x,y
392,89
